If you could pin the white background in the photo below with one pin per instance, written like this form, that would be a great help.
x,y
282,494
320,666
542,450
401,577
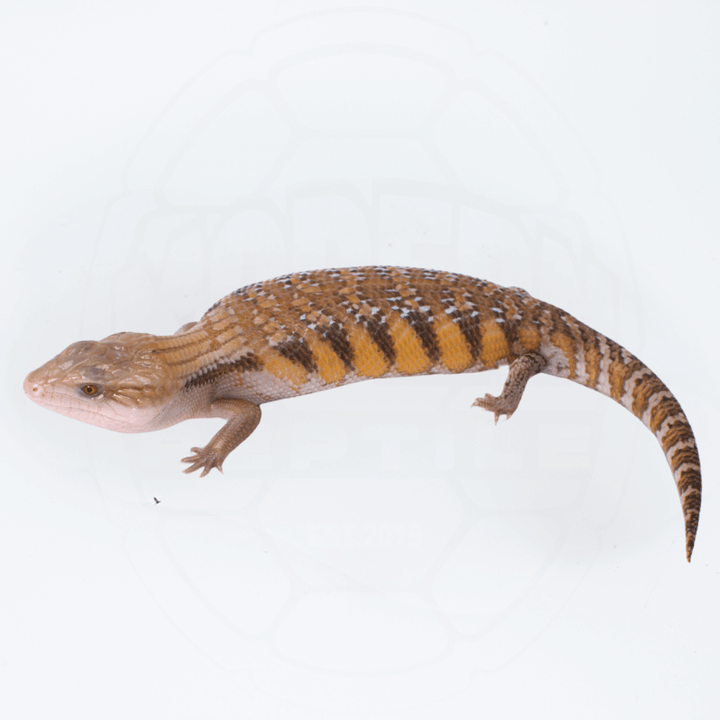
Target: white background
x,y
381,550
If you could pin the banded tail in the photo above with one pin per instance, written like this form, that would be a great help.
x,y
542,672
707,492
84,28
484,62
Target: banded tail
x,y
586,357
649,399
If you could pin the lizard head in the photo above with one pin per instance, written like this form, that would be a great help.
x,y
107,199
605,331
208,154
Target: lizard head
x,y
117,383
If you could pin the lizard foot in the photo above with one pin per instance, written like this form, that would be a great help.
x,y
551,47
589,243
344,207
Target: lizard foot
x,y
206,458
521,370
497,405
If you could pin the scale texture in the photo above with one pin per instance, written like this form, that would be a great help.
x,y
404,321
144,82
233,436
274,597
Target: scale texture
x,y
312,331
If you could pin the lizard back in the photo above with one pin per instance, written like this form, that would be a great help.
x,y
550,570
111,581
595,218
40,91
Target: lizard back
x,y
320,329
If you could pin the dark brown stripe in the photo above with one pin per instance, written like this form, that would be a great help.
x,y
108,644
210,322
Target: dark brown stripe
x,y
618,372
667,407
336,335
470,328
684,455
690,478
676,432
426,332
381,337
298,351
645,388
205,376
691,510
592,355
511,328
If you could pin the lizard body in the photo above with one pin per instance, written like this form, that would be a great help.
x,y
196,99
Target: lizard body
x,y
312,331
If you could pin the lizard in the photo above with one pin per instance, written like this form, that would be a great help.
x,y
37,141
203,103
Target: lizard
x,y
316,330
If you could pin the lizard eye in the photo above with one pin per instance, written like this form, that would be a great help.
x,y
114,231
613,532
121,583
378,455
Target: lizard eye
x,y
90,390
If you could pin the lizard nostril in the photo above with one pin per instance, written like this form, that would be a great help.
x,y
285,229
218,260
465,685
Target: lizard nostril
x,y
31,388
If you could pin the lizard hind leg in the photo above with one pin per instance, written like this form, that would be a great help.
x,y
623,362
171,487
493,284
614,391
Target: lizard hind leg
x,y
521,370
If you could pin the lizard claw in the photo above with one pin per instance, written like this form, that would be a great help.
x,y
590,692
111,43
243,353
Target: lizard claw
x,y
495,405
205,459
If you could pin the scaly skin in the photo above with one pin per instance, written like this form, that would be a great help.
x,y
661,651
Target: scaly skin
x,y
313,331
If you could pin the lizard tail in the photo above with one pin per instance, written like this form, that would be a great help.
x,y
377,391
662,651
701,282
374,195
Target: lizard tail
x,y
608,368
649,399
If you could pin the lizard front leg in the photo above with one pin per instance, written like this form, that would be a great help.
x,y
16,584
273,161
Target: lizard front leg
x,y
242,418
521,370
